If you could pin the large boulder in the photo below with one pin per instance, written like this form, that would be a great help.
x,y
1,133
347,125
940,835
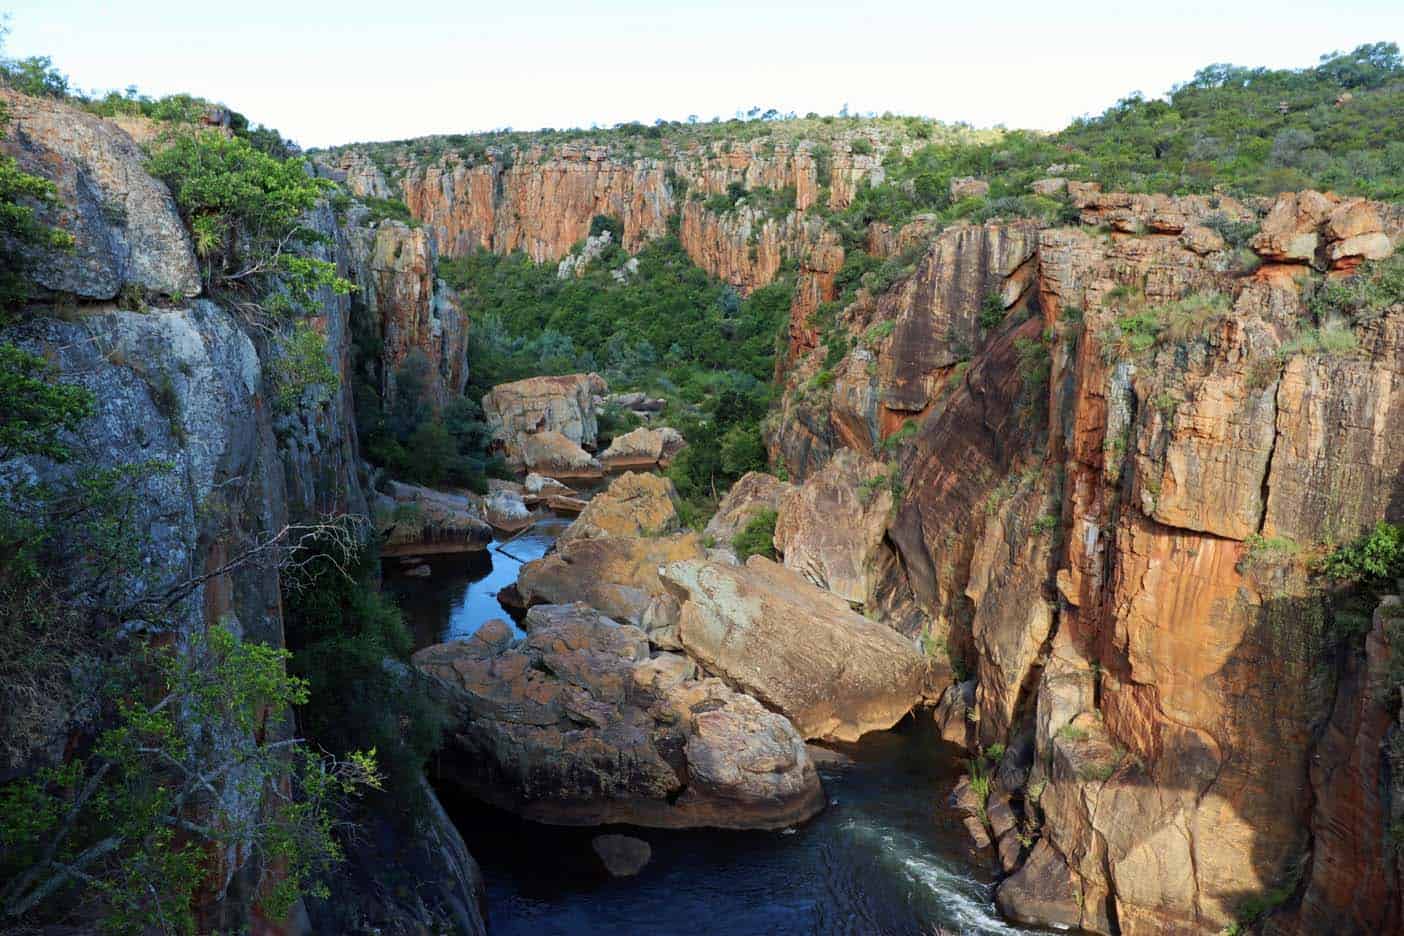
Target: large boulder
x,y
125,226
770,632
749,497
552,454
831,528
632,505
644,448
614,574
575,724
507,511
419,521
563,404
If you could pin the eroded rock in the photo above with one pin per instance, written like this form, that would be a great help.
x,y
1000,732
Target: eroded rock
x,y
576,725
834,673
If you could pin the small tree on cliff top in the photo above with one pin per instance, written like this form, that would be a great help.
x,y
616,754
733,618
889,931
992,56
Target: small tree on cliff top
x,y
247,213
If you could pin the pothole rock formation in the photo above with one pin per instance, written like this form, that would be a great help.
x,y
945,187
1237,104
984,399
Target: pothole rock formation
x,y
576,724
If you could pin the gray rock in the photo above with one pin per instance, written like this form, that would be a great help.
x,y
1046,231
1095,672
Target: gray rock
x,y
623,855
124,223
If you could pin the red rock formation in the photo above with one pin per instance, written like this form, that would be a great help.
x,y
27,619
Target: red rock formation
x,y
1125,573
416,314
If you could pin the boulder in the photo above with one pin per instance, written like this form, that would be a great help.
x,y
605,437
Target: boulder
x,y
1041,893
507,511
542,486
831,528
1049,187
1289,233
768,631
575,724
563,404
637,505
968,187
617,575
622,855
644,448
755,493
126,230
551,453
418,521
953,714
563,504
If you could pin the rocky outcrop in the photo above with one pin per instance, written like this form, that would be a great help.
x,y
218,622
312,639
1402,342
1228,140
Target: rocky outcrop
x,y
831,528
125,228
755,493
423,333
800,650
555,456
643,448
910,343
1123,454
634,504
576,724
506,510
617,575
563,405
420,521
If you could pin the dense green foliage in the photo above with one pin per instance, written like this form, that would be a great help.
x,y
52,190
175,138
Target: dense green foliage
x,y
667,328
1233,129
351,646
247,213
757,538
1377,558
130,823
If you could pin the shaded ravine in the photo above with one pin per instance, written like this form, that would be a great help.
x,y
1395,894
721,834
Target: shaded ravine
x,y
885,858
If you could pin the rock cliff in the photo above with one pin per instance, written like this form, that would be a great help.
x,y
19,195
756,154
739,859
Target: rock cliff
x,y
187,395
1116,448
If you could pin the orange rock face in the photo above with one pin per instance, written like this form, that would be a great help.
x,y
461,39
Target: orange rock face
x,y
1112,540
418,317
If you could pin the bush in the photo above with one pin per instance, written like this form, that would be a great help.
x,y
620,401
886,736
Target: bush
x,y
350,643
757,538
246,212
1377,558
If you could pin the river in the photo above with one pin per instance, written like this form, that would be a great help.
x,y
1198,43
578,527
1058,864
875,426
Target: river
x,y
884,858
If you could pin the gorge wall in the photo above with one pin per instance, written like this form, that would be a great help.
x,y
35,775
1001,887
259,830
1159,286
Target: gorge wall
x,y
1108,505
188,394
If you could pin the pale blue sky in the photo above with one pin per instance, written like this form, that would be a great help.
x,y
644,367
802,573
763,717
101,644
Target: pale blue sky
x,y
330,72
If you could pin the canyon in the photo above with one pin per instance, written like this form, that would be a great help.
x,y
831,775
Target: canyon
x,y
1057,489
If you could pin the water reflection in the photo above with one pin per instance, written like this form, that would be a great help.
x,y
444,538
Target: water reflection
x,y
462,591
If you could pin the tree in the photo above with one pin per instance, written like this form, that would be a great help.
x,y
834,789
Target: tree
x,y
130,823
247,212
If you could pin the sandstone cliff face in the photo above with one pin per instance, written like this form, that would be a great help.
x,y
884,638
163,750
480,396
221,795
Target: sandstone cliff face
x,y
540,201
414,313
1109,532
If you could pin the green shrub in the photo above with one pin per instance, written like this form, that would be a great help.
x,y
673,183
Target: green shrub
x,y
1375,558
757,538
246,211
342,631
992,311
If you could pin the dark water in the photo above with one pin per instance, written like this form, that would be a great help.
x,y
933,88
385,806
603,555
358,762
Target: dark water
x,y
884,858
462,593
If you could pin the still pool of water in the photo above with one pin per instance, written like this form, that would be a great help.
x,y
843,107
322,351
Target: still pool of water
x,y
884,858
462,592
